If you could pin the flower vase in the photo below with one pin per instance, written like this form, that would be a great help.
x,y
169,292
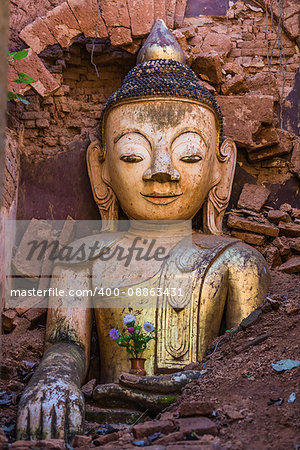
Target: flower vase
x,y
137,366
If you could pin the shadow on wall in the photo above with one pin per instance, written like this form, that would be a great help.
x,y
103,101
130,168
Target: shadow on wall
x,y
54,188
196,8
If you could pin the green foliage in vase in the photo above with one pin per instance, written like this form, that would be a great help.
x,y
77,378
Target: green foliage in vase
x,y
136,340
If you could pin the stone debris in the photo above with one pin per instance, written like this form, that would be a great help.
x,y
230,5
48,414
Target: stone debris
x,y
253,197
292,265
241,223
276,216
144,430
195,408
274,232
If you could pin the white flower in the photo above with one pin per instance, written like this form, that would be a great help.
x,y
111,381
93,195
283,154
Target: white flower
x,y
129,318
148,327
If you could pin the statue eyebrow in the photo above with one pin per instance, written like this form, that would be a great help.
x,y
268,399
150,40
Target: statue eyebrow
x,y
123,133
191,130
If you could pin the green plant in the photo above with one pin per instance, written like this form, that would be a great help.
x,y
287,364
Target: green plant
x,y
22,77
136,340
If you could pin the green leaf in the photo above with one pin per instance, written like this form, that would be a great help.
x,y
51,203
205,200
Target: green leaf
x,y
23,78
19,55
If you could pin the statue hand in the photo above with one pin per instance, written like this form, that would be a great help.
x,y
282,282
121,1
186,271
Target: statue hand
x,y
51,409
52,405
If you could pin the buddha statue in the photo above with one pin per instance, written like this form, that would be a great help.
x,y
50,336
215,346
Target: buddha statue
x,y
160,157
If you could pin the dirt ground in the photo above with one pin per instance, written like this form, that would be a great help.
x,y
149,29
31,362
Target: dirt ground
x,y
250,399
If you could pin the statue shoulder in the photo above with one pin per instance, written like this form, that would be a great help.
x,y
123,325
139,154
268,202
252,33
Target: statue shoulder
x,y
242,257
85,249
210,241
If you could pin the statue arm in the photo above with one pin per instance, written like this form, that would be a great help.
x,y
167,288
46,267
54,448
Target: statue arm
x,y
248,282
52,405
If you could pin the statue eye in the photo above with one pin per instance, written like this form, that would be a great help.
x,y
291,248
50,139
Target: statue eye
x,y
191,158
131,158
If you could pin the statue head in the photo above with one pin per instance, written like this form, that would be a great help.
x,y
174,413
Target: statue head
x,y
160,154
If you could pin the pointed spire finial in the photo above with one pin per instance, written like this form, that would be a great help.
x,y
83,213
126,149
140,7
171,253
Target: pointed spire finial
x,y
160,44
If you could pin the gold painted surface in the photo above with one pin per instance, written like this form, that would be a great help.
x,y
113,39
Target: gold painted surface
x,y
160,44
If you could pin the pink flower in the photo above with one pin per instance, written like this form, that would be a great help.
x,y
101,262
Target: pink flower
x,y
130,330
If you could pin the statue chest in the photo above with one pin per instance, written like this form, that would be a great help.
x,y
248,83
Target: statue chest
x,y
171,299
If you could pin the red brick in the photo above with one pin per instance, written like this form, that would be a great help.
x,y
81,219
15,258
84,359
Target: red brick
x,y
170,13
275,216
147,428
180,12
44,83
219,43
120,36
115,13
289,229
292,265
250,238
63,25
141,16
37,35
250,225
195,408
8,319
253,197
87,18
199,425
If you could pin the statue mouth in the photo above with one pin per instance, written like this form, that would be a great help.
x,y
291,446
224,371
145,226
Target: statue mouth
x,y
161,199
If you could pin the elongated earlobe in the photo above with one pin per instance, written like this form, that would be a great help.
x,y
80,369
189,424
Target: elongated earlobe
x,y
219,195
102,192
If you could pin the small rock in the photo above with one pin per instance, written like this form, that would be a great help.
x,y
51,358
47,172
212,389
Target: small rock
x,y
20,325
143,430
199,425
241,223
208,66
232,413
275,216
251,319
295,213
273,257
195,408
81,441
291,309
294,244
283,245
88,388
250,238
102,440
253,197
57,444
289,229
8,319
286,207
21,444
292,265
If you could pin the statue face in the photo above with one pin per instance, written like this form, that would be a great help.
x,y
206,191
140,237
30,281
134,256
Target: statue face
x,y
161,157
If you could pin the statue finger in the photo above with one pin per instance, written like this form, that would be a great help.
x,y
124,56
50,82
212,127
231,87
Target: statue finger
x,y
76,416
35,420
49,426
59,422
23,422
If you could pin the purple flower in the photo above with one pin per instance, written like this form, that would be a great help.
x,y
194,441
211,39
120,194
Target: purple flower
x,y
129,318
148,327
130,330
114,333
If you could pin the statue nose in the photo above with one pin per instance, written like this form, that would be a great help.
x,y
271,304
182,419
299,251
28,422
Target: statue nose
x,y
161,169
